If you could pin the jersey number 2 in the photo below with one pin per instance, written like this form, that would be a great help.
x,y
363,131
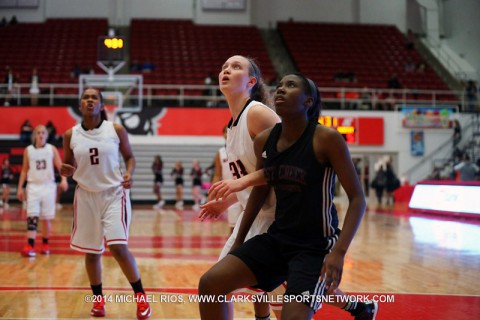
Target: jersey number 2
x,y
94,156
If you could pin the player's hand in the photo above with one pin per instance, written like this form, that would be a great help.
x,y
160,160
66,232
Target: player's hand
x,y
67,170
212,210
64,185
127,181
223,189
20,194
332,270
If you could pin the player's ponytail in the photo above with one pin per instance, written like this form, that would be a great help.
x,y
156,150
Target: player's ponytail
x,y
260,90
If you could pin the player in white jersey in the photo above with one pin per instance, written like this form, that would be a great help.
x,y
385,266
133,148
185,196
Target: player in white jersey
x,y
240,81
39,159
102,207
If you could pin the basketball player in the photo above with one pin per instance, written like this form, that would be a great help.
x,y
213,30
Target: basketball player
x,y
38,164
248,99
304,245
157,168
177,174
102,198
196,175
6,180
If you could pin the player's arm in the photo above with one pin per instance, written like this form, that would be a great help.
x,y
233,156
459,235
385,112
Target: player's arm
x,y
58,164
258,194
23,175
68,166
127,154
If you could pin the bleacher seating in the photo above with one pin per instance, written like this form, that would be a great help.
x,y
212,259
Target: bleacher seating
x,y
53,47
373,52
185,53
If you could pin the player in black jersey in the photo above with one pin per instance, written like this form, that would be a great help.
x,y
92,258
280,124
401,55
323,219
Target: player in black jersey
x,y
303,246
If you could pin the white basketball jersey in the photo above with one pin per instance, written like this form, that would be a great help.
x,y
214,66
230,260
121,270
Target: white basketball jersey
x,y
97,153
241,155
40,164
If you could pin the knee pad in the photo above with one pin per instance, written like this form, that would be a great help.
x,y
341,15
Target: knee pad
x,y
32,223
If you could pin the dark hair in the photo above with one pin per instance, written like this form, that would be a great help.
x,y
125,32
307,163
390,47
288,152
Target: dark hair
x,y
311,88
260,91
103,113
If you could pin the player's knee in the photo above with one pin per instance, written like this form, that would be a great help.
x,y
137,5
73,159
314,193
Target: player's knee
x,y
32,223
207,284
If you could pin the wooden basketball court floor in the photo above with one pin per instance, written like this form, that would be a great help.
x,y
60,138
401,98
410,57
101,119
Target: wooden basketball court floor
x,y
418,266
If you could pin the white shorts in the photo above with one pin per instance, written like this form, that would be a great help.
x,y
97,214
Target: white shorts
x,y
233,213
41,199
259,226
99,216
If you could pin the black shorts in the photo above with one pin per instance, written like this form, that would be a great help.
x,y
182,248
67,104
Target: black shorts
x,y
179,182
197,182
274,262
158,178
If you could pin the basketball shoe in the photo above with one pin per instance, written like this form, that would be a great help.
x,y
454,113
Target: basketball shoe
x,y
369,312
98,309
28,251
143,307
45,249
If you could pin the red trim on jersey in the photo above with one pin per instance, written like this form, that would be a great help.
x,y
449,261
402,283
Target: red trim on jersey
x,y
116,240
74,226
124,212
96,250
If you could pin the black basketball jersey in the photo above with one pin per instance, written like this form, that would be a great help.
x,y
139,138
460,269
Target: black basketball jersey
x,y
304,189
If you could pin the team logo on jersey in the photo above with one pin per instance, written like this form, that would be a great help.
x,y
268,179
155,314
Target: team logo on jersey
x,y
264,154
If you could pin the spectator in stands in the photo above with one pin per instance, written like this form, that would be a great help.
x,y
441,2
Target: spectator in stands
x,y
135,66
470,96
76,71
457,133
13,21
394,83
52,132
34,87
410,40
409,65
26,132
148,66
366,99
421,67
467,169
379,182
177,174
10,81
344,76
210,80
7,179
393,183
3,22
196,175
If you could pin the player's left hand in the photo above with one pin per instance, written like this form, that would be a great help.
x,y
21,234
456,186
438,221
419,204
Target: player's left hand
x,y
212,209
